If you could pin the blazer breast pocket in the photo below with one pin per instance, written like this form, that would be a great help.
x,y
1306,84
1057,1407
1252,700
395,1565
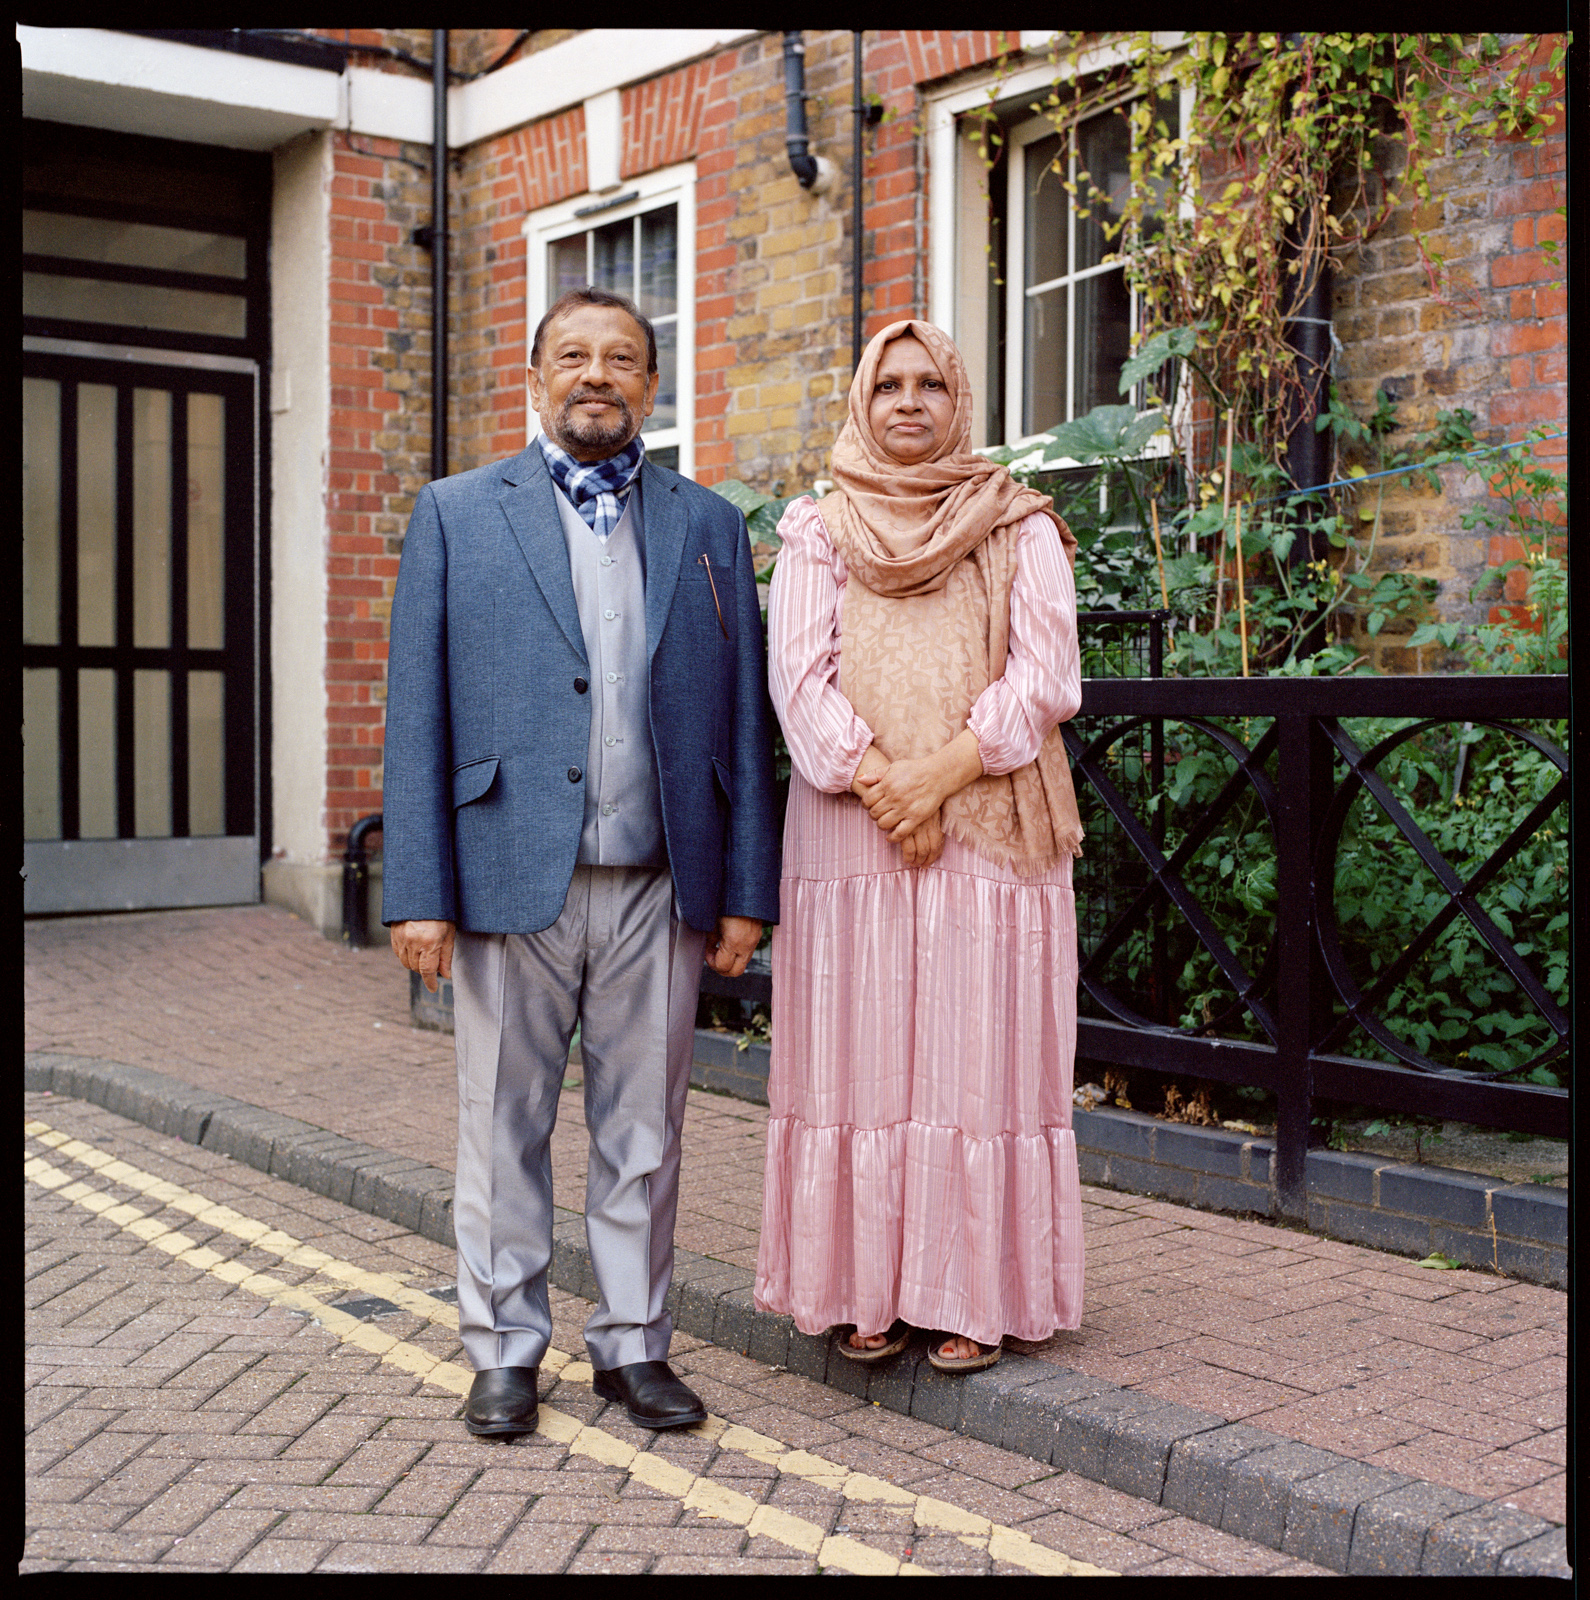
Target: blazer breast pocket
x,y
711,593
473,779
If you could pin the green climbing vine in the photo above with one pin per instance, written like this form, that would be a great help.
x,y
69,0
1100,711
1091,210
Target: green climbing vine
x,y
1295,151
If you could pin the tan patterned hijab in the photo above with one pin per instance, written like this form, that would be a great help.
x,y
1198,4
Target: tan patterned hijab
x,y
931,552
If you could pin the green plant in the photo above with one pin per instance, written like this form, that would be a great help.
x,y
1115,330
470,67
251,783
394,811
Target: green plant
x,y
1298,148
1395,1122
1530,635
759,1030
1335,1133
762,513
1468,789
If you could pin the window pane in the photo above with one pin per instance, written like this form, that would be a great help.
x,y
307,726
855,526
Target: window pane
x,y
41,753
1047,207
96,515
666,412
1103,340
96,753
206,491
152,753
132,244
138,305
1164,186
565,266
41,512
152,517
1044,348
659,262
206,755
1103,148
613,257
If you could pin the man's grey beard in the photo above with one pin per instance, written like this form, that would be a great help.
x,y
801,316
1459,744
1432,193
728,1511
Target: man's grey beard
x,y
588,434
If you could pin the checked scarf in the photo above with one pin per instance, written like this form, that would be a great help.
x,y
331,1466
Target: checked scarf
x,y
596,489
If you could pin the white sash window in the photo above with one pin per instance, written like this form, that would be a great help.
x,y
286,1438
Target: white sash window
x,y
640,243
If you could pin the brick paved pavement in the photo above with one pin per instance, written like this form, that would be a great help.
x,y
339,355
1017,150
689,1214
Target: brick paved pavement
x,y
178,1421
1456,1378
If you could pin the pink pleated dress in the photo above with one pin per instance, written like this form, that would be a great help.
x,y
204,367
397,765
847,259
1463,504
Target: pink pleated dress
x,y
920,1159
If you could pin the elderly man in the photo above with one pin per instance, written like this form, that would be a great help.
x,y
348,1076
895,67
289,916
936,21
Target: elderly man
x,y
578,808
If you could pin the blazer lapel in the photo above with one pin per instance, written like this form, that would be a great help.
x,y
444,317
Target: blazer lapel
x,y
533,515
665,526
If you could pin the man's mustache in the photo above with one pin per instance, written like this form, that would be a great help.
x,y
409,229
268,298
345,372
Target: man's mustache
x,y
607,396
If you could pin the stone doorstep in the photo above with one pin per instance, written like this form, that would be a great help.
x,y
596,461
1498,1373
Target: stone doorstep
x,y
1311,1503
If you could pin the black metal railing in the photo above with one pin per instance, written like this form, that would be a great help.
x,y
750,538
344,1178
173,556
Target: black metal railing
x,y
1286,754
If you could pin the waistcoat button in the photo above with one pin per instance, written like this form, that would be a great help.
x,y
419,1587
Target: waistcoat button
x,y
580,686
574,774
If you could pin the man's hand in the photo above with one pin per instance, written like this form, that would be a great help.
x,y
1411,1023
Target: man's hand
x,y
731,947
425,948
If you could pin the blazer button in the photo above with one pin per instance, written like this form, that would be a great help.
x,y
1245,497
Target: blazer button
x,y
580,686
574,774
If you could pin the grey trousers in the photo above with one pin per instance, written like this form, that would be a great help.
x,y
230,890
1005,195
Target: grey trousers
x,y
621,962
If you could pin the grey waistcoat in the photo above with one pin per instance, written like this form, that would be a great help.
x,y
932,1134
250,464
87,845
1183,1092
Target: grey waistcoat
x,y
623,808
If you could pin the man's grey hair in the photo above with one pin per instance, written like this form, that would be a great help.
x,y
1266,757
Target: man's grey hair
x,y
591,296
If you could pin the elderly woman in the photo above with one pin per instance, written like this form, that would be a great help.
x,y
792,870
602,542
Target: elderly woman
x,y
921,1169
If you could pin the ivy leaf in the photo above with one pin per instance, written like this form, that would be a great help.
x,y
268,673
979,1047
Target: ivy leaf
x,y
1439,1261
742,495
1105,433
1169,343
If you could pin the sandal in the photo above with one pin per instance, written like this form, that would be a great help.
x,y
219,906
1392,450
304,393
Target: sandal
x,y
897,1337
985,1357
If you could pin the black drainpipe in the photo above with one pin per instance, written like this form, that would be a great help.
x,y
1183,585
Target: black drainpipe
x,y
858,122
439,253
802,163
861,116
1308,332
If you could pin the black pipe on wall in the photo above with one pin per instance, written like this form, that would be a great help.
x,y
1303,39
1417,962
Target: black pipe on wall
x,y
858,122
439,253
1308,332
802,163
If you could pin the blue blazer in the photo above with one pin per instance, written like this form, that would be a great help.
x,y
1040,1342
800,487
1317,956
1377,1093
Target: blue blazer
x,y
489,706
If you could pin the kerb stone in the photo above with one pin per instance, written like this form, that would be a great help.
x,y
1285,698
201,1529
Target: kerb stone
x,y
1389,1532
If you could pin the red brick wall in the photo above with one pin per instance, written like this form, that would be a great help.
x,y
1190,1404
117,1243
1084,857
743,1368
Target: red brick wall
x,y
937,53
1486,331
772,262
487,295
773,301
379,445
548,159
661,119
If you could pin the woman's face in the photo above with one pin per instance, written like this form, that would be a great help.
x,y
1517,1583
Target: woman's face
x,y
911,409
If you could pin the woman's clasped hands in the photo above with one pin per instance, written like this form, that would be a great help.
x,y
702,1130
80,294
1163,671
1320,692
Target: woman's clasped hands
x,y
904,797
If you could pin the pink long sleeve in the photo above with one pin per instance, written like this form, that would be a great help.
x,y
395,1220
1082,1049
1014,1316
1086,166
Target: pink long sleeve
x,y
1042,684
826,738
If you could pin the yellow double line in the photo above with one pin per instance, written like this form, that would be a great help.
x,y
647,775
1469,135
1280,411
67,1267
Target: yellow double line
x,y
703,1495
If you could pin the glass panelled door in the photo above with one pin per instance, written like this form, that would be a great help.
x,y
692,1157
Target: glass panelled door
x,y
139,651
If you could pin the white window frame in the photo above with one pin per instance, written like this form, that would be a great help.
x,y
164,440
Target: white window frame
x,y
945,220
649,191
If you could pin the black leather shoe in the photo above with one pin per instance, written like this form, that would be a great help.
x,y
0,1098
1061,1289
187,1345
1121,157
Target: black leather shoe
x,y
651,1394
502,1400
